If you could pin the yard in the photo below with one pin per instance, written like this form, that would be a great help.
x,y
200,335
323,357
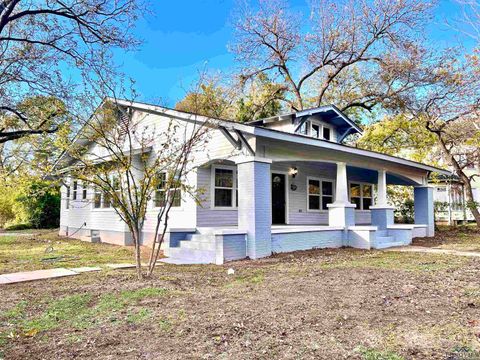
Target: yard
x,y
326,304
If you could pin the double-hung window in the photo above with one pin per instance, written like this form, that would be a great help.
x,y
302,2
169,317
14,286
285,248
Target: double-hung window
x,y
67,202
361,194
224,187
74,192
174,193
97,197
320,193
316,130
84,190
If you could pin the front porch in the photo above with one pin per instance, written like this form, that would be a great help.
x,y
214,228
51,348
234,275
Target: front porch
x,y
297,205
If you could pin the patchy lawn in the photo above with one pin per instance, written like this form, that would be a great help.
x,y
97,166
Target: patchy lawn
x,y
45,250
326,304
462,238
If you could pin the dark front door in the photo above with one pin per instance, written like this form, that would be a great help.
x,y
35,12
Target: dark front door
x,y
278,198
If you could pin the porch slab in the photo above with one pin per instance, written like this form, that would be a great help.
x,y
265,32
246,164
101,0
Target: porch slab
x,y
176,261
35,275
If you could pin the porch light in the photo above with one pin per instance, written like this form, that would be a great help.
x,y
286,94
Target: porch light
x,y
293,171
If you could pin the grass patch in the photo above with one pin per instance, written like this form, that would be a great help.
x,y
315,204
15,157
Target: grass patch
x,y
254,278
48,250
372,354
78,312
397,261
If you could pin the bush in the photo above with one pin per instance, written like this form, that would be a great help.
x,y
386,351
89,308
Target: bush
x,y
41,203
18,227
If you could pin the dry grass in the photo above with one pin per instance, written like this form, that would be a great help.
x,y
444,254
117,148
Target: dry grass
x,y
319,304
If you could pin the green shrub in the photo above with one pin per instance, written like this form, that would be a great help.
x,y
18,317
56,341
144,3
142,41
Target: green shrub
x,y
41,204
18,227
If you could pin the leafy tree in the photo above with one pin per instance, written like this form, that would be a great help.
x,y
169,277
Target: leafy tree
x,y
262,99
209,99
41,204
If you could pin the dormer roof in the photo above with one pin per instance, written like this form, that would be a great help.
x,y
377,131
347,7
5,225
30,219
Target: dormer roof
x,y
328,113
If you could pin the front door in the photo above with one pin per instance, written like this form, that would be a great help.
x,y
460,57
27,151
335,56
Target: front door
x,y
278,198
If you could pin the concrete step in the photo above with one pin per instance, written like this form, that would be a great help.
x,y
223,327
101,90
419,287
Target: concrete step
x,y
198,245
207,256
384,239
385,245
202,238
182,261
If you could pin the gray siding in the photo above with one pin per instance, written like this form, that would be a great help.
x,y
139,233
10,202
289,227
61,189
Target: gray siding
x,y
206,216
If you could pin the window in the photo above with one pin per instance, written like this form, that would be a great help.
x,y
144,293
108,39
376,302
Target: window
x,y
326,133
84,190
160,197
315,131
361,195
224,192
75,187
320,193
97,198
304,128
67,203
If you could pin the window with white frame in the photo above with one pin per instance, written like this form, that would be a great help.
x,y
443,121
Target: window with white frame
x,y
361,194
326,132
97,197
84,190
74,192
316,130
67,200
160,196
320,193
224,187
304,128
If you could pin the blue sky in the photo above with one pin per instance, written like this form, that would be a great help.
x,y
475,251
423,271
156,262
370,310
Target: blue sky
x,y
180,38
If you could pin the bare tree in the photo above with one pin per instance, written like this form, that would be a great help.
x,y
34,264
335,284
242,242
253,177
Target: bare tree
x,y
308,56
39,40
128,162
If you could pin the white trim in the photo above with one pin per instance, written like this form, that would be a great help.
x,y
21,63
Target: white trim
x,y
212,187
320,195
172,208
321,125
287,187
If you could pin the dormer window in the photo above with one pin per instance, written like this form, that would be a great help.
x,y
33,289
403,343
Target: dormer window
x,y
316,129
326,133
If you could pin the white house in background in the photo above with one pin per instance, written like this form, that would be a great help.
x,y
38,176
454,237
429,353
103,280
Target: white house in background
x,y
274,185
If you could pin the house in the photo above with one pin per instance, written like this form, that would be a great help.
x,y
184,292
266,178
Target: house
x,y
274,185
450,200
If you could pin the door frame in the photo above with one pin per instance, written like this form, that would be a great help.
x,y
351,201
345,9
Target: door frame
x,y
287,186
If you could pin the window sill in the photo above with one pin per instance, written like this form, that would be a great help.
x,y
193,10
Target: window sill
x,y
223,208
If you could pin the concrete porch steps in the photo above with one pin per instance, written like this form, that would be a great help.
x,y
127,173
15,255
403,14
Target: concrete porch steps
x,y
198,249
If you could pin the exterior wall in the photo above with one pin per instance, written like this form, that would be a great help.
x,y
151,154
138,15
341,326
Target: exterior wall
x,y
292,241
234,247
206,215
423,204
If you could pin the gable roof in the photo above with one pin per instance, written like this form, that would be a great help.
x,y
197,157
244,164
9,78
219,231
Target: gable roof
x,y
258,130
328,113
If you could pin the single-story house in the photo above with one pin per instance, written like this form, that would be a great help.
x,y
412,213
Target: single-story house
x,y
273,185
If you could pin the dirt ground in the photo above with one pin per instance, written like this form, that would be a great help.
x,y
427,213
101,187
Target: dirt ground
x,y
318,304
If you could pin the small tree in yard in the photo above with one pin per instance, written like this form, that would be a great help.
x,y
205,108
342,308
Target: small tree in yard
x,y
128,161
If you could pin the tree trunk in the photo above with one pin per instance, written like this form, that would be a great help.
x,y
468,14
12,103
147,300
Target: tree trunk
x,y
465,179
470,199
138,259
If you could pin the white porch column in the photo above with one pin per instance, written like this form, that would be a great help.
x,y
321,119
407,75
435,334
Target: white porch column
x,y
341,212
255,204
341,190
382,188
382,212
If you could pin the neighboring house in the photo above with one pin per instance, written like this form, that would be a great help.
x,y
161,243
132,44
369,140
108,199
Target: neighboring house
x,y
450,200
274,185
